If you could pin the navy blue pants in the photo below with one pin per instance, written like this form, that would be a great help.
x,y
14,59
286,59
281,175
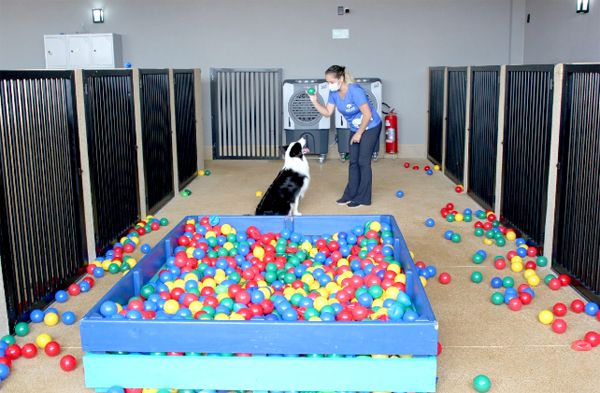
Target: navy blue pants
x,y
360,176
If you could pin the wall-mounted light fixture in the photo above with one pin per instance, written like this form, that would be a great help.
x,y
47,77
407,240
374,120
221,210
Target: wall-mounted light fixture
x,y
583,6
98,15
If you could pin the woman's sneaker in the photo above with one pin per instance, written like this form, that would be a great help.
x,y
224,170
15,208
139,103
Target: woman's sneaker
x,y
342,201
354,205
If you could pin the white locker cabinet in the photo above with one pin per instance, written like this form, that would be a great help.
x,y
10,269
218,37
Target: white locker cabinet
x,y
72,51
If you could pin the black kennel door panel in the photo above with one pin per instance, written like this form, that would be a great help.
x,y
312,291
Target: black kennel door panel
x,y
528,124
577,225
185,120
247,109
436,115
483,136
156,137
41,210
455,130
112,153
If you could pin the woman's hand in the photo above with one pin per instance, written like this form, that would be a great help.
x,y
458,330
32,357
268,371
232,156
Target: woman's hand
x,y
313,97
356,137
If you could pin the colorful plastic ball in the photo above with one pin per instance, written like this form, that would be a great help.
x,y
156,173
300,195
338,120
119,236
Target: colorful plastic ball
x,y
436,167
496,282
4,371
73,290
525,298
448,235
29,351
515,304
554,284
85,286
36,316
51,319
42,340
516,267
482,383
429,172
450,218
511,235
207,172
559,326
456,238
508,282
577,306
8,339
546,317
145,248
68,318
458,189
22,329
52,349
13,352
406,165
430,222
478,258
559,309
444,278
593,338
479,232
118,389
591,309
68,363
497,298
61,296
541,261
399,194
108,308
499,264
476,277
565,279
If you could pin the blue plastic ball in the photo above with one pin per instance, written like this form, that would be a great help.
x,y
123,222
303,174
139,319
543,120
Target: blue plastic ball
x,y
36,316
108,308
399,194
482,253
146,248
448,235
61,296
429,172
432,271
84,286
430,222
4,371
51,310
410,316
98,272
522,252
496,282
68,318
591,309
116,389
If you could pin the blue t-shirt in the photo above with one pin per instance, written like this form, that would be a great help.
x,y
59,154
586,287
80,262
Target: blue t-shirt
x,y
349,106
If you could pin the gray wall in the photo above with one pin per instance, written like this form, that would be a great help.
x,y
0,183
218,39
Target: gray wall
x,y
557,34
395,40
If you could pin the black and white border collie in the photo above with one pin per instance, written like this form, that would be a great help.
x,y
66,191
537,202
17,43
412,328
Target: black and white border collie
x,y
283,195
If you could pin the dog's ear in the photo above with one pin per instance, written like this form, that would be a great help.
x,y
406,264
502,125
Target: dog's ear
x,y
296,150
282,150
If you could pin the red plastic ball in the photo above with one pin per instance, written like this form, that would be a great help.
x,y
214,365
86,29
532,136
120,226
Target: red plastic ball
x,y
416,167
577,306
6,361
13,352
499,264
525,298
439,348
426,168
565,279
68,363
90,269
559,326
555,284
450,206
128,248
491,217
593,338
407,165
515,304
531,265
74,289
559,309
458,189
445,278
532,252
29,351
133,390
90,281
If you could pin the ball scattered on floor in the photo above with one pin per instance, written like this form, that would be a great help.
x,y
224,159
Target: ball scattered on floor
x,y
482,383
68,363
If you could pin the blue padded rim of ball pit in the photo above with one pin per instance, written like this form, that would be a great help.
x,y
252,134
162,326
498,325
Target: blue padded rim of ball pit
x,y
263,337
261,373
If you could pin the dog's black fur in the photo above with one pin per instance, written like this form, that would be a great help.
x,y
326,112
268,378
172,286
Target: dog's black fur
x,y
283,192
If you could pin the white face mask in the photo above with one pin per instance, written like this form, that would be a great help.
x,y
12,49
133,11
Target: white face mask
x,y
334,86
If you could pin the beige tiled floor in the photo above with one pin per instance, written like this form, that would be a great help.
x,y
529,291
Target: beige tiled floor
x,y
513,349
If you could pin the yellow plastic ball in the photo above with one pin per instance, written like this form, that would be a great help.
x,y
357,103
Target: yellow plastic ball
x,y
459,217
221,317
236,317
395,268
225,229
195,306
42,340
436,167
488,242
51,319
171,306
319,303
210,283
201,172
210,234
534,281
516,259
423,281
377,303
266,292
528,273
258,194
375,226
400,278
258,252
546,317
228,246
412,254
516,267
511,235
392,293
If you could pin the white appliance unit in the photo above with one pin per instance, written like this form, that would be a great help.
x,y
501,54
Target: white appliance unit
x,y
301,119
91,51
372,87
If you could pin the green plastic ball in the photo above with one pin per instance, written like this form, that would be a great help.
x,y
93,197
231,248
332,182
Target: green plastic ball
x,y
482,383
113,268
125,266
497,298
541,261
311,91
22,329
10,340
476,277
490,234
548,278
468,218
456,238
500,242
207,172
164,222
450,218
481,215
376,291
479,232
508,282
478,258
146,291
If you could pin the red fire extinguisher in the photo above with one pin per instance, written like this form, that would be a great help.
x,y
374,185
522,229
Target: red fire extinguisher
x,y
391,130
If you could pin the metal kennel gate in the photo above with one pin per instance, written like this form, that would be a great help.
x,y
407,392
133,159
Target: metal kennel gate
x,y
483,134
454,161
246,113
156,137
526,150
577,217
41,208
185,119
112,153
436,114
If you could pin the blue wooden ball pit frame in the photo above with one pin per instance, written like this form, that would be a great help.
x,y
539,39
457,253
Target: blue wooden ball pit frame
x,y
416,340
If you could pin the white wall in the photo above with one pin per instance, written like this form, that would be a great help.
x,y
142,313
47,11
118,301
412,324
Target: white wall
x,y
395,40
557,34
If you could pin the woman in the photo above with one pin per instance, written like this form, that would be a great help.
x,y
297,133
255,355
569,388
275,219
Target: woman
x,y
365,125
